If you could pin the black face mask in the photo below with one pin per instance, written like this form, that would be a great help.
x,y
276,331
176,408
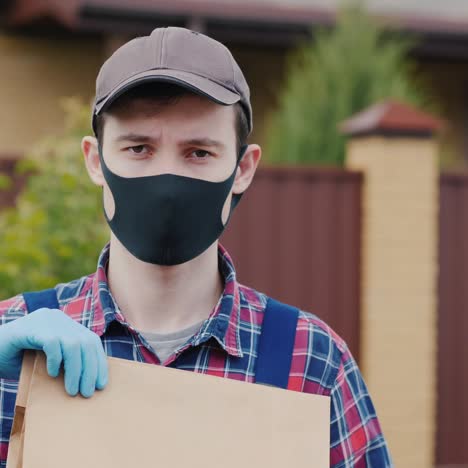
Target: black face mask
x,y
168,219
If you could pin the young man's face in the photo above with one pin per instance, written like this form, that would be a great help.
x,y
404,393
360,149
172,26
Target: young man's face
x,y
191,136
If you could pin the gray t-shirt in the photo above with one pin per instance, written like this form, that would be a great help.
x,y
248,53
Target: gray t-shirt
x,y
164,344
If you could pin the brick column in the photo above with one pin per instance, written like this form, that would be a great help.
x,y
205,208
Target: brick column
x,y
394,146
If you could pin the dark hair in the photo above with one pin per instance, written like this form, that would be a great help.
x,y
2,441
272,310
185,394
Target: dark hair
x,y
167,93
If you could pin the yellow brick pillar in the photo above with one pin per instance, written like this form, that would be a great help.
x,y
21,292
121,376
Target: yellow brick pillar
x,y
395,147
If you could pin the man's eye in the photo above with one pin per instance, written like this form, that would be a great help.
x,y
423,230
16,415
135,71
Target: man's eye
x,y
200,154
139,149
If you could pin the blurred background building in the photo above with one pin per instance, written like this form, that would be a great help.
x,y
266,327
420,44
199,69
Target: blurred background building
x,y
50,49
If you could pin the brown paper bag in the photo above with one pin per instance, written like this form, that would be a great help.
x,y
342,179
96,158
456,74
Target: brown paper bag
x,y
17,430
154,416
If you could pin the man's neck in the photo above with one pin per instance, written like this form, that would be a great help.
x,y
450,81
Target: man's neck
x,y
160,298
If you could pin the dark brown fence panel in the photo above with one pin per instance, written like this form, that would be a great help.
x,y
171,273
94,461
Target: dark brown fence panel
x,y
452,424
296,237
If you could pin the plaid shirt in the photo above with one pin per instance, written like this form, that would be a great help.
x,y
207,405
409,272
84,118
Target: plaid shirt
x,y
226,346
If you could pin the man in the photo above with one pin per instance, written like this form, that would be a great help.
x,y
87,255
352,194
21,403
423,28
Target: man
x,y
171,119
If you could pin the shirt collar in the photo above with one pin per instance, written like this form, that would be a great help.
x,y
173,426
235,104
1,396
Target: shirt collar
x,y
222,324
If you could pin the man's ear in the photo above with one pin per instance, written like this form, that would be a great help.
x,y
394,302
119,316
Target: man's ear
x,y
89,147
247,167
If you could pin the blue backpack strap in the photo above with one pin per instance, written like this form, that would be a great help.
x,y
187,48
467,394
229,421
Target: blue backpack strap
x,y
39,299
276,344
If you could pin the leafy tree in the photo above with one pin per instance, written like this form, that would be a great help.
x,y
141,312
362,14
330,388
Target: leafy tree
x,y
341,72
56,229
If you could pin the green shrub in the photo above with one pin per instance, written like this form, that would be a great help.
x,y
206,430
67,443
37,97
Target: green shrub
x,y
341,72
56,230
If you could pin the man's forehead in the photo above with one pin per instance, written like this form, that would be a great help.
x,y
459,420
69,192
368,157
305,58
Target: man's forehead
x,y
191,112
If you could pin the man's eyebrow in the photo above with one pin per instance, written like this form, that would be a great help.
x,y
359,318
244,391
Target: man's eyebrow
x,y
207,142
140,138
135,137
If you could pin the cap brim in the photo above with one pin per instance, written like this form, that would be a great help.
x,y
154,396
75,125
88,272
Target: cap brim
x,y
195,83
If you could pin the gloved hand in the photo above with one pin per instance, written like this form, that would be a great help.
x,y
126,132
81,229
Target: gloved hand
x,y
62,340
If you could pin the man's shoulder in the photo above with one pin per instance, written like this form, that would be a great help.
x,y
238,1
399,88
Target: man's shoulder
x,y
319,351
312,324
67,293
12,308
75,290
311,329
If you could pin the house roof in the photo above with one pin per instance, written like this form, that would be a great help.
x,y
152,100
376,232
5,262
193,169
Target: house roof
x,y
443,26
391,117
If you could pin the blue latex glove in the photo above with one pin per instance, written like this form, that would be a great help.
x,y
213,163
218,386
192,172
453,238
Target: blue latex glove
x,y
63,341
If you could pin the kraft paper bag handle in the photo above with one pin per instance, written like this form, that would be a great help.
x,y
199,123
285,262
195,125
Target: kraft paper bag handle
x,y
15,449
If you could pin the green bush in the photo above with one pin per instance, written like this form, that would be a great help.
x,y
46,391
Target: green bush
x,y
56,230
341,72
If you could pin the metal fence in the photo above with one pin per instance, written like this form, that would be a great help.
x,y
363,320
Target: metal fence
x,y
452,409
296,237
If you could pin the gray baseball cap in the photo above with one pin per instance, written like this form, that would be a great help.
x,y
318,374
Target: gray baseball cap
x,y
174,55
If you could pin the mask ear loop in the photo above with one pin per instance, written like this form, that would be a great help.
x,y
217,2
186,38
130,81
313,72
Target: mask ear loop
x,y
242,151
101,155
237,196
